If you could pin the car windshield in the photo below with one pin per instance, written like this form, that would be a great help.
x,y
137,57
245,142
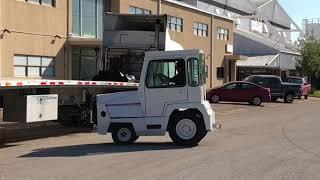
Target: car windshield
x,y
295,80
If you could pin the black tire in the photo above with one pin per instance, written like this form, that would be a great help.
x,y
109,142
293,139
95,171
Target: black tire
x,y
306,97
94,112
215,98
256,101
197,134
123,135
289,98
274,99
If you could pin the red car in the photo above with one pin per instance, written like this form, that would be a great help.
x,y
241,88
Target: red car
x,y
240,92
305,87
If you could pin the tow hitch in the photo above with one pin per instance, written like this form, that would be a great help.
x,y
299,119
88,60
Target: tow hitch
x,y
217,126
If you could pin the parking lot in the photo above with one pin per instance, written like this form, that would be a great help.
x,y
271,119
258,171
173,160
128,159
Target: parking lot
x,y
276,141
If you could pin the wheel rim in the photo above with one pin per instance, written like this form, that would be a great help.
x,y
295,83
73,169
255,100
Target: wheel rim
x,y
124,134
290,98
215,98
186,129
256,101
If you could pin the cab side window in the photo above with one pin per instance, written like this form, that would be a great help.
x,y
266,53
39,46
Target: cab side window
x,y
194,73
166,73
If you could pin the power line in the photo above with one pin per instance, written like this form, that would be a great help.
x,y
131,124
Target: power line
x,y
35,34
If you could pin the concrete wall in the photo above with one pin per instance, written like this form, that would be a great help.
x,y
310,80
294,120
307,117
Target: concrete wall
x,y
32,33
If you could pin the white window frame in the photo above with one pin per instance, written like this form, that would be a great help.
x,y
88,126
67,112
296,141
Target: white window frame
x,y
40,66
200,29
81,33
53,3
223,34
175,23
135,9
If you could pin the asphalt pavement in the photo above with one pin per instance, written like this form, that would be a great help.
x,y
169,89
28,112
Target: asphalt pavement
x,y
277,141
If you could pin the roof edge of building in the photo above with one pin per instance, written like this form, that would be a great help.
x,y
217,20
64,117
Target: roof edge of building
x,y
200,10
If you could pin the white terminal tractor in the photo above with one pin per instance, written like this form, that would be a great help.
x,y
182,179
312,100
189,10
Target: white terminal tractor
x,y
170,98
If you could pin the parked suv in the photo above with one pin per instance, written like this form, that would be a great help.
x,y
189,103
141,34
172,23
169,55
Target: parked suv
x,y
305,87
285,91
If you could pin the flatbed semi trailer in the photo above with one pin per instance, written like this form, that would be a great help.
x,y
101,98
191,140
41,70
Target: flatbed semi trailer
x,y
75,100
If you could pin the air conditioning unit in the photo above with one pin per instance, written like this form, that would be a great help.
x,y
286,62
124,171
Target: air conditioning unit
x,y
229,48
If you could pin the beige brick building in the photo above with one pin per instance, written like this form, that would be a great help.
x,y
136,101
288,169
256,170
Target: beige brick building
x,y
36,31
61,39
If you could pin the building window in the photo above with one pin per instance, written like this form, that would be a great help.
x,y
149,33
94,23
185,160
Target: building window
x,y
223,34
43,2
33,66
136,10
200,29
84,63
175,23
220,72
87,18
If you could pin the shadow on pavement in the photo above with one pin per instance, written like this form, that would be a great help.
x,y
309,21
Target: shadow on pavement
x,y
2,146
96,149
17,132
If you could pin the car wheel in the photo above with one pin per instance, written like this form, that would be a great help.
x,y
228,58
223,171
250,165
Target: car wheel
x,y
289,98
187,131
215,98
256,101
124,135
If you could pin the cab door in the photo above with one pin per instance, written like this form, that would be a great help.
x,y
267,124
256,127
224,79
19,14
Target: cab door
x,y
162,87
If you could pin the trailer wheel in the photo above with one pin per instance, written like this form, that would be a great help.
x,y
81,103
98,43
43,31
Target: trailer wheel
x,y
187,130
124,134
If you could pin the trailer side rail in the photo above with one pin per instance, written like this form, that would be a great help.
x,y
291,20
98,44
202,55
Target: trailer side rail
x,y
12,84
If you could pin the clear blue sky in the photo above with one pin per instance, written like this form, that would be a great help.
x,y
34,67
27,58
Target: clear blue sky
x,y
301,9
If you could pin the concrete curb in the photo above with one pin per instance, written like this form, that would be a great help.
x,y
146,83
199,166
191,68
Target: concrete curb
x,y
314,98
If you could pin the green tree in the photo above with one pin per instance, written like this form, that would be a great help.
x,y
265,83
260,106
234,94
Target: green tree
x,y
309,63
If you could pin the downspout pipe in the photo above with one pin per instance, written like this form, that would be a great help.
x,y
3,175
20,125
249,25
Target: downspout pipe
x,y
157,26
